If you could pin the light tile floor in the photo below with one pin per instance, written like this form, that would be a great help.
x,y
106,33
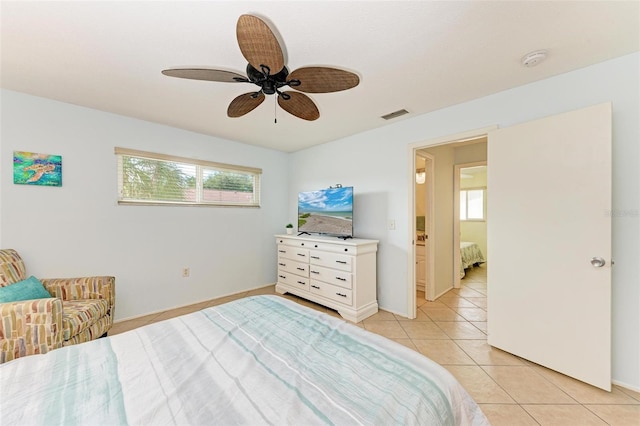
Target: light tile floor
x,y
452,331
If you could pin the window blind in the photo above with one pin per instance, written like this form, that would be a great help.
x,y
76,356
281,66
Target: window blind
x,y
159,179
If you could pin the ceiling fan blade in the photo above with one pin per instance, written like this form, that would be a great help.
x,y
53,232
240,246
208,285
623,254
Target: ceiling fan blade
x,y
258,44
323,79
299,105
205,74
244,104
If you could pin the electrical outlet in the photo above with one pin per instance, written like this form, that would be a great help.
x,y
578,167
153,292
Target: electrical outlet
x,y
185,272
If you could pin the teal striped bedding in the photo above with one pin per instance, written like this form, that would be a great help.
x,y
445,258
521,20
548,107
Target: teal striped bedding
x,y
261,360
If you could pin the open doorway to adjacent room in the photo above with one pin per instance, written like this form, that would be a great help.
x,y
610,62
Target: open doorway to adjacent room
x,y
437,222
423,219
470,225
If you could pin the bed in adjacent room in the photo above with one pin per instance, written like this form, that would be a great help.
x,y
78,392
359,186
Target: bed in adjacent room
x,y
470,254
257,360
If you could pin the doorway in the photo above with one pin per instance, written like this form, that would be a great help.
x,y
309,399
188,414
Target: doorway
x,y
423,226
555,223
470,224
440,259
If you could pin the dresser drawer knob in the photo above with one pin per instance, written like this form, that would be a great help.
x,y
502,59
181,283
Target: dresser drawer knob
x,y
341,295
300,269
316,287
341,261
282,276
315,272
315,257
341,279
282,264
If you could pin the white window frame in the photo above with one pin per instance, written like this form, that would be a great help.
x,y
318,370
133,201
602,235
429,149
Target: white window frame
x,y
466,205
200,167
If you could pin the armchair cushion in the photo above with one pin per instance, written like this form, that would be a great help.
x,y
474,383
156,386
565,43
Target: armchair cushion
x,y
30,327
79,315
27,289
12,267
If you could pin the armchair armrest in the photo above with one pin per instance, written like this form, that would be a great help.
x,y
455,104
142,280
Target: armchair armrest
x,y
30,327
83,288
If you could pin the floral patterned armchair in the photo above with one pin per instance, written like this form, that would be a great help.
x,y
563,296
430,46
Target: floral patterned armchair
x,y
78,310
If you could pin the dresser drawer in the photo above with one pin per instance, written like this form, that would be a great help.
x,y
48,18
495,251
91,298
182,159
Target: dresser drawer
x,y
295,253
331,276
288,265
293,280
316,244
332,292
331,260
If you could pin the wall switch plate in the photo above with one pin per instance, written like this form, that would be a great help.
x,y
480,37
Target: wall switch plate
x,y
392,224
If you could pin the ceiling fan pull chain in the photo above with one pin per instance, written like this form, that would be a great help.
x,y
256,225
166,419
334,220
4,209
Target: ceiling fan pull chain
x,y
275,110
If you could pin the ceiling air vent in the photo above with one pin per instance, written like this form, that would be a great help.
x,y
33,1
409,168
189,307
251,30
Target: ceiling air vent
x,y
395,114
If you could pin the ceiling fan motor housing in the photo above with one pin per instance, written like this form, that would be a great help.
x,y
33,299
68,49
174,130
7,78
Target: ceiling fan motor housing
x,y
267,81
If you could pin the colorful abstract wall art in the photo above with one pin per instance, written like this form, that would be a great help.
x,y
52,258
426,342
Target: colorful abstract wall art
x,y
30,168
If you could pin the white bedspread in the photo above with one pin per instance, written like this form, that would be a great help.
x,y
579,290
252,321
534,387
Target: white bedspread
x,y
470,254
257,360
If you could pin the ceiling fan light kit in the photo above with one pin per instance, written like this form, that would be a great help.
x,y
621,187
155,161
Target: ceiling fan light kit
x,y
266,69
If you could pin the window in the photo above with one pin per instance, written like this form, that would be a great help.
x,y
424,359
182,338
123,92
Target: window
x,y
149,178
472,204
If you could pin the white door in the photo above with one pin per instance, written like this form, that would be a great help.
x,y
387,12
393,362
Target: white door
x,y
429,272
549,204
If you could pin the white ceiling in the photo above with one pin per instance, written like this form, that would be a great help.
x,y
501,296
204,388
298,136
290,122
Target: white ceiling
x,y
416,55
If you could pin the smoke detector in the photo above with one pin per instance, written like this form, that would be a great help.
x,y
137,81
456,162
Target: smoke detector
x,y
534,58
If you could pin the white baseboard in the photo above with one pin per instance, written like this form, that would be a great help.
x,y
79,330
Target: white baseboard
x,y
626,386
188,304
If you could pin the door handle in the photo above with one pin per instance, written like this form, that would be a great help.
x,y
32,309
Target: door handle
x,y
598,262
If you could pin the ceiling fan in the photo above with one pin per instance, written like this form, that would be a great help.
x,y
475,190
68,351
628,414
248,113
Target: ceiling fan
x,y
267,70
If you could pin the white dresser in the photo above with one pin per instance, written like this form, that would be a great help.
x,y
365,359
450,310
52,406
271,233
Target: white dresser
x,y
339,274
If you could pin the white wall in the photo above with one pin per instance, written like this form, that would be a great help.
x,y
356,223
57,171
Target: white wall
x,y
78,229
375,163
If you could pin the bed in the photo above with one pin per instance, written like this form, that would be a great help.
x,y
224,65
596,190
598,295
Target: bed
x,y
470,254
256,360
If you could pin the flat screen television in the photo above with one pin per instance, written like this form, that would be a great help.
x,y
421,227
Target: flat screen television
x,y
326,211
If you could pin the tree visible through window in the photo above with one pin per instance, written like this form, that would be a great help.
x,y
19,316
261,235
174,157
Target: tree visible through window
x,y
147,178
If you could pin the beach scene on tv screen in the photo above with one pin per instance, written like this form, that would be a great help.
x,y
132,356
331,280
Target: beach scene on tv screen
x,y
327,211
